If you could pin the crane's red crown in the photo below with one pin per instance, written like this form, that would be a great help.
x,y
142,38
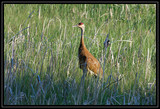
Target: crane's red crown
x,y
80,23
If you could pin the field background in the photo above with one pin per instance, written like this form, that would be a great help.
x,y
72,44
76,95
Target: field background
x,y
41,54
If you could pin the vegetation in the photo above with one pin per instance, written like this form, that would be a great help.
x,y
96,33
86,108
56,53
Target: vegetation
x,y
41,54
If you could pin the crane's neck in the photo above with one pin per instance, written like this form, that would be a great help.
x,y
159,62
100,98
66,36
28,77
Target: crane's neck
x,y
82,38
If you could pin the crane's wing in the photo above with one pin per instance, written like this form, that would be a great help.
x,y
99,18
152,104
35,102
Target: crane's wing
x,y
93,64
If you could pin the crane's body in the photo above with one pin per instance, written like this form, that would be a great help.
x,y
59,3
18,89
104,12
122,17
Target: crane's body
x,y
89,62
86,60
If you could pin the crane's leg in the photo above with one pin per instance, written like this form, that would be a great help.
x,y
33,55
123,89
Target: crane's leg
x,y
80,95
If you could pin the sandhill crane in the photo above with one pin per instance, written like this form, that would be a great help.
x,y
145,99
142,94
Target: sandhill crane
x,y
86,60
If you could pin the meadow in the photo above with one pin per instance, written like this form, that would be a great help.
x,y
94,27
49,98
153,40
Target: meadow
x,y
41,54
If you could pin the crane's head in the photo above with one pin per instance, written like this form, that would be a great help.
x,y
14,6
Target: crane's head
x,y
80,25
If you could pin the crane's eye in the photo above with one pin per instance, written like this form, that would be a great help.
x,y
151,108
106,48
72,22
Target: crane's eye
x,y
80,23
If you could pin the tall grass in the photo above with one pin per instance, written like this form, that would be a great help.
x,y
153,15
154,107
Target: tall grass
x,y
41,54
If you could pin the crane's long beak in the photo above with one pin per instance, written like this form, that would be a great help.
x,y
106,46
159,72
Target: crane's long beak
x,y
75,26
